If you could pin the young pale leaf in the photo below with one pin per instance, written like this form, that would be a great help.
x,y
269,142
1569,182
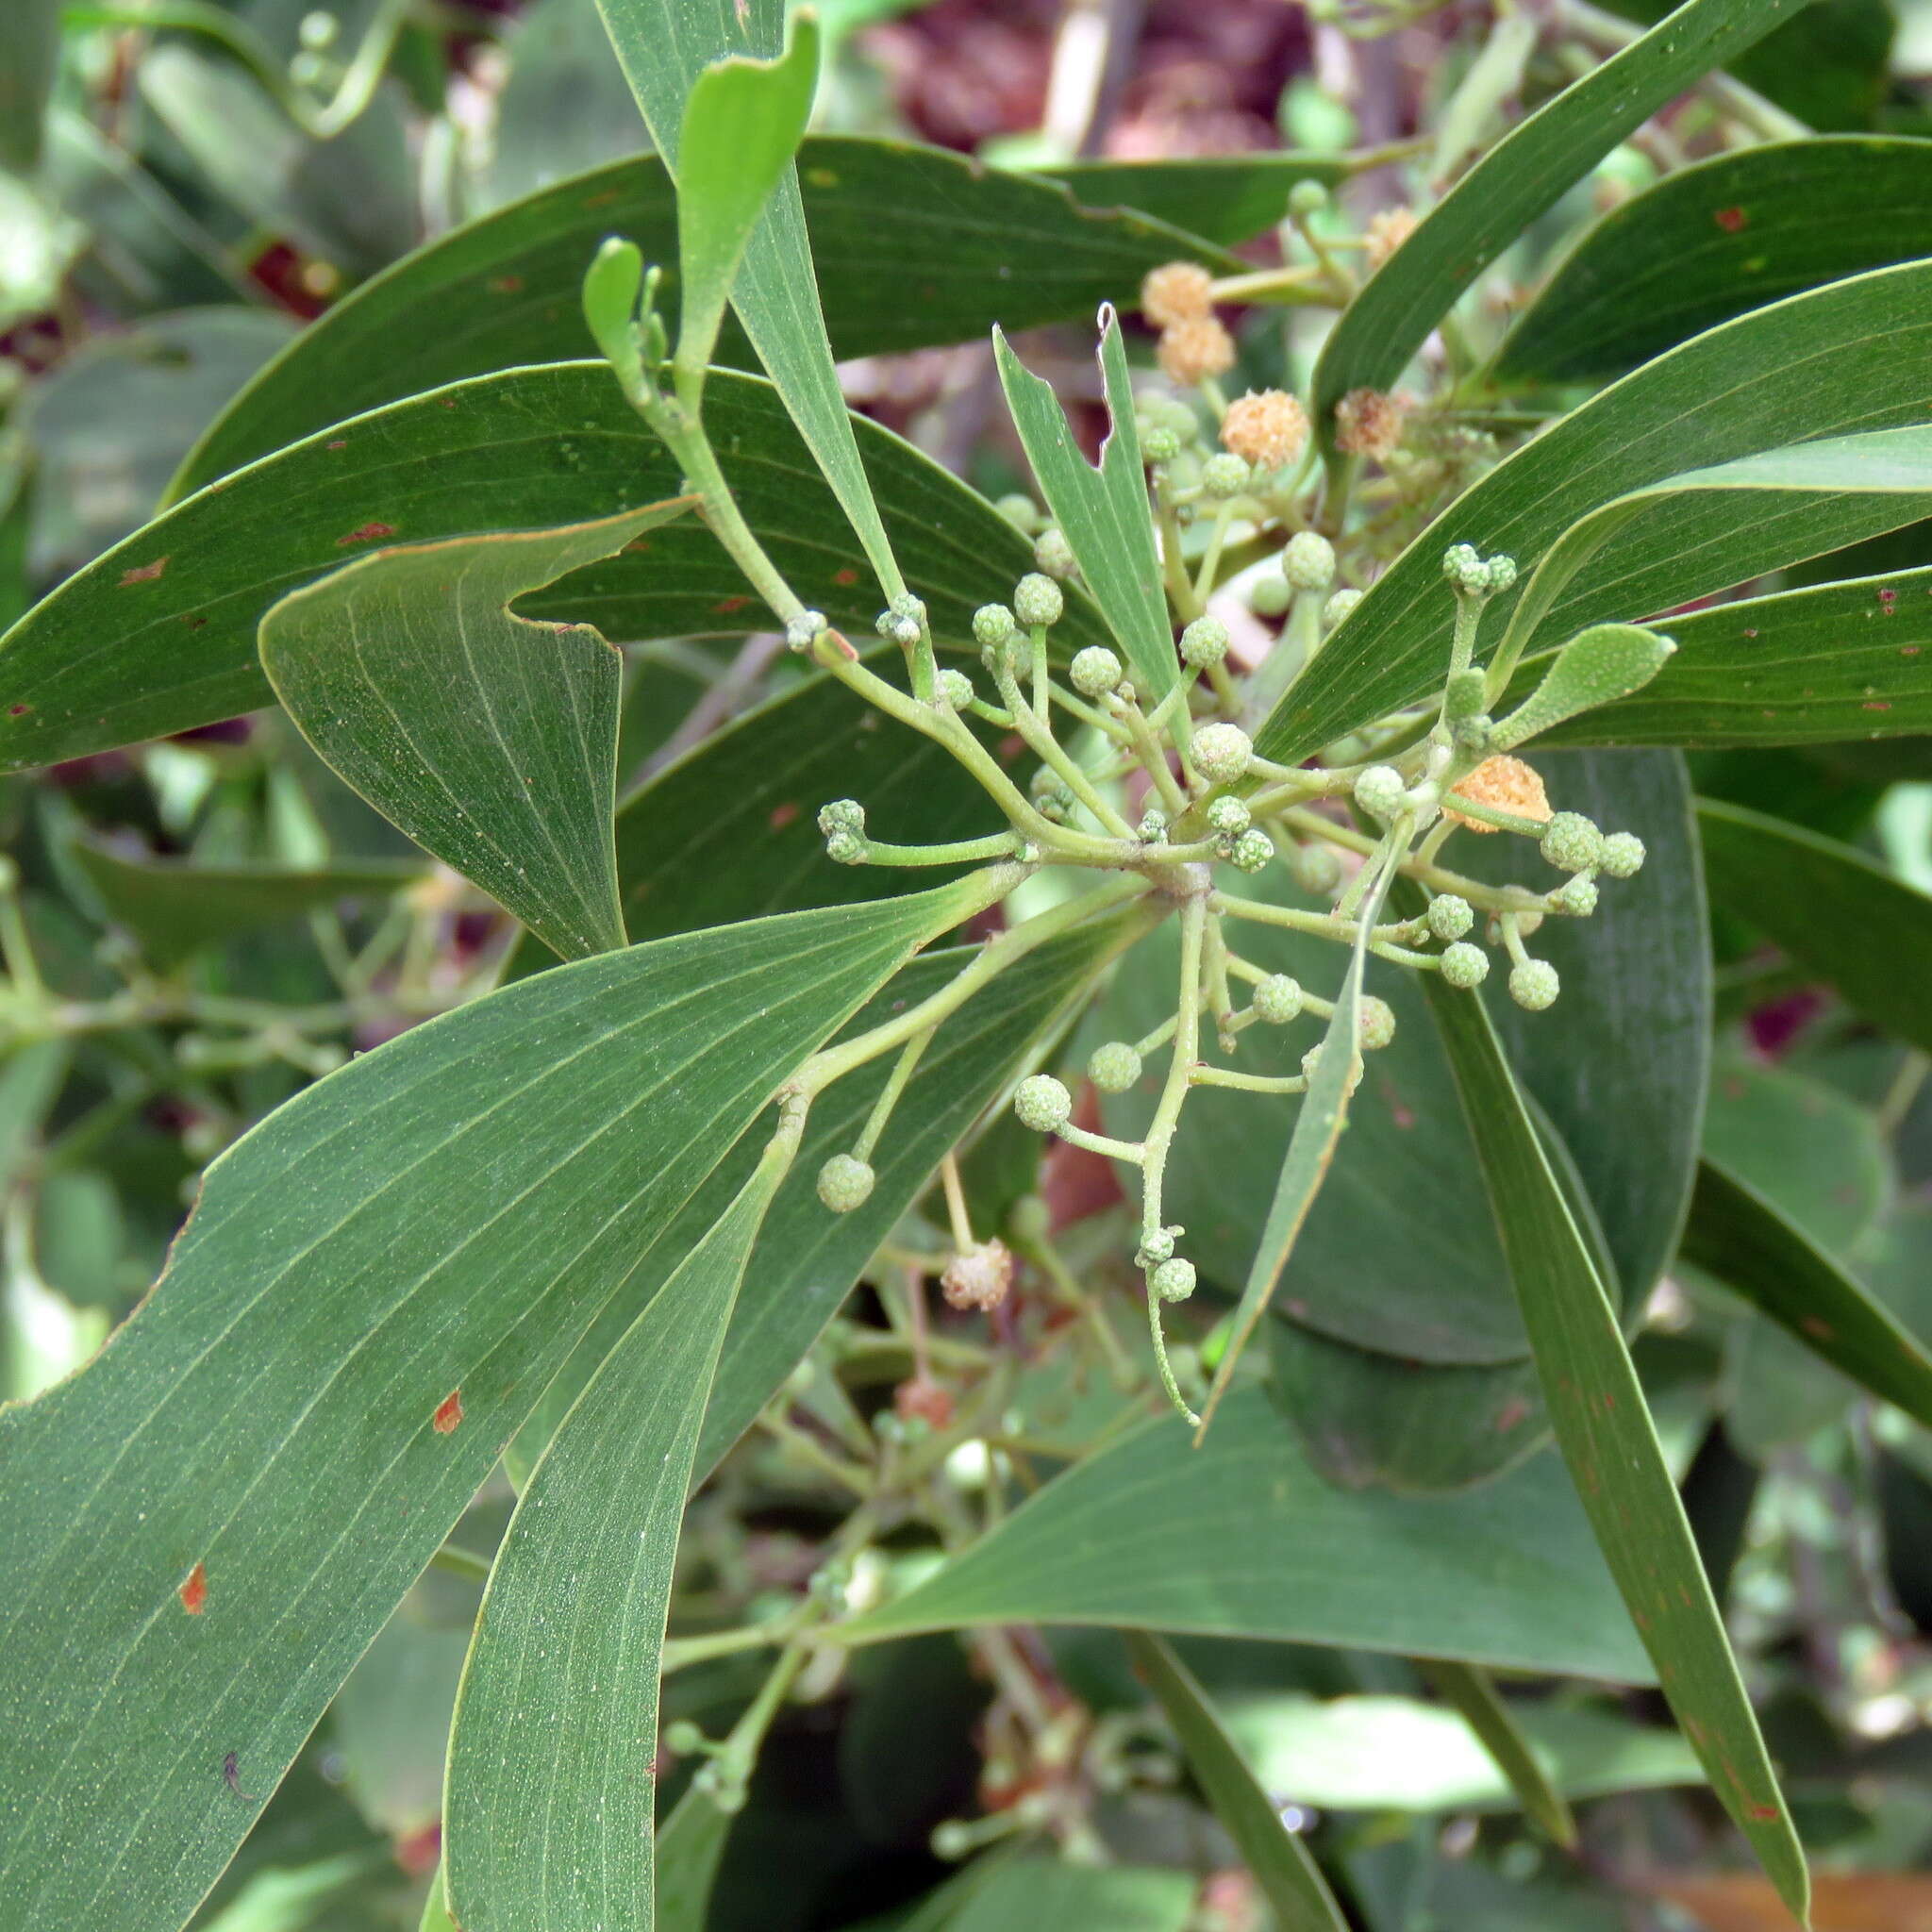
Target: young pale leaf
x,y
1519,178
1032,1893
1279,1862
376,1286
689,1849
1473,1695
436,1916
743,123
490,739
1740,1236
549,1813
663,46
1839,360
1854,923
1596,667
962,247
1596,1404
1236,1539
1718,238
139,644
1103,513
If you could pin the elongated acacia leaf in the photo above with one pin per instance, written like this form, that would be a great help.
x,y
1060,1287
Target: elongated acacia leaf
x,y
550,1822
1471,1694
1720,236
490,739
1853,922
1224,198
663,45
224,1508
1519,178
1043,1894
1837,360
1276,1858
141,643
1239,1538
1740,1236
1597,1403
963,246
1103,513
686,1855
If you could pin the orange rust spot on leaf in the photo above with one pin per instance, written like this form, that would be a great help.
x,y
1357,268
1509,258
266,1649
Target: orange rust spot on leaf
x,y
341,443
367,534
449,1412
782,815
1763,1811
505,285
18,710
1011,746
1875,705
603,200
1730,219
846,577
725,607
1816,1324
143,573
1511,1414
194,1593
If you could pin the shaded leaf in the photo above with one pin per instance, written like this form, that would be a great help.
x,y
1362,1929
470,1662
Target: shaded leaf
x,y
1239,1538
1224,198
490,739
1046,1894
690,1846
1471,1694
140,644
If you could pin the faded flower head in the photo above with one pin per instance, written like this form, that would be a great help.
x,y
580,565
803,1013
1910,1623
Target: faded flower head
x,y
1177,292
1192,351
1385,233
1504,784
1369,423
978,1277
1265,427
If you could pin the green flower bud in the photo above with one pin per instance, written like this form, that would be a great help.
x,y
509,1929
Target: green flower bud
x,y
952,1839
1154,1249
992,625
1037,600
843,815
1338,607
1042,1104
1224,474
1464,965
1377,1024
1471,734
1095,670
1054,554
1278,1000
1317,868
1222,751
803,631
905,605
1577,899
1204,643
1308,562
899,626
1114,1067
1450,916
1019,510
1252,851
1379,791
1307,198
1029,1219
1311,1062
846,848
1461,564
1268,595
1228,817
1174,1280
1499,574
1623,856
1533,985
1169,412
1159,444
682,1737
1572,843
845,1182
1152,830
957,688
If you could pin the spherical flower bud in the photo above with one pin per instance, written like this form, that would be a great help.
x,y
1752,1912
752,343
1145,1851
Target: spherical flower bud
x,y
1533,985
1030,1219
803,631
845,1182
1623,856
1037,600
1462,565
1464,965
1505,784
1228,817
1369,423
1450,916
1174,1280
1159,444
1252,851
1152,830
1155,1248
1278,1000
956,688
1379,791
904,631
1194,351
993,625
1114,1066
980,1278
1222,753
1385,233
1042,1104
841,815
1311,1062
1095,670
1317,868
846,848
1177,292
1577,898
1377,1022
1204,643
1309,562
1266,427
905,605
1307,198
1053,553
1499,574
1224,474
1572,843
1338,607
1268,595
